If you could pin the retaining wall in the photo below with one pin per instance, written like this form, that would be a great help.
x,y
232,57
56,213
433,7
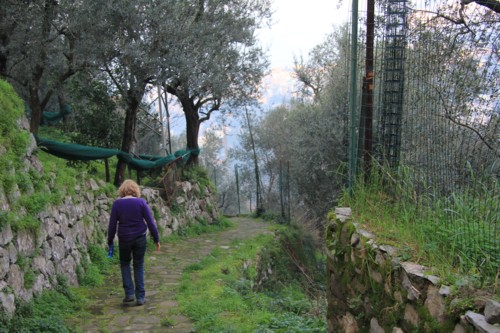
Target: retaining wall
x,y
370,289
31,259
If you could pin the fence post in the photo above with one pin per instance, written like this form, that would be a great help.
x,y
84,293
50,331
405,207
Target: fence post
x,y
237,188
353,95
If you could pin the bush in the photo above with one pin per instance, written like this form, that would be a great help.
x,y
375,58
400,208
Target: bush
x,y
292,258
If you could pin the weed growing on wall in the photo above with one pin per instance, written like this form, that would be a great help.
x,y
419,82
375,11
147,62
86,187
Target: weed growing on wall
x,y
198,175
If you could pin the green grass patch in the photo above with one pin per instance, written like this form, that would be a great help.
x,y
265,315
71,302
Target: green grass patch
x,y
196,228
218,294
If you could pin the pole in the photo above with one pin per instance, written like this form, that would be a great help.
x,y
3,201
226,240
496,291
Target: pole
x,y
250,202
167,114
282,202
215,176
258,194
352,96
368,87
288,190
237,188
162,131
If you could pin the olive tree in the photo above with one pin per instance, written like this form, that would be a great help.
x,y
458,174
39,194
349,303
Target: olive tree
x,y
218,64
40,41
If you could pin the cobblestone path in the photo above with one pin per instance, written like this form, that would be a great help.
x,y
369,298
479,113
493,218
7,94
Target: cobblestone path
x,y
163,273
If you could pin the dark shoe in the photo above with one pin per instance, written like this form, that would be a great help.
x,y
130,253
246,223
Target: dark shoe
x,y
128,299
140,302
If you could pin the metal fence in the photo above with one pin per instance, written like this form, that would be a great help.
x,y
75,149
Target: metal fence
x,y
435,116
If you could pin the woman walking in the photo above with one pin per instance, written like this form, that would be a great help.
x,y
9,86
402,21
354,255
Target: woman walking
x,y
132,217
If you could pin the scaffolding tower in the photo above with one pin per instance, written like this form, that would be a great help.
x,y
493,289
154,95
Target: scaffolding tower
x,y
393,81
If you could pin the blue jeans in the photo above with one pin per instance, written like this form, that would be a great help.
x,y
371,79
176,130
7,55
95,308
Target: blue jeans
x,y
134,249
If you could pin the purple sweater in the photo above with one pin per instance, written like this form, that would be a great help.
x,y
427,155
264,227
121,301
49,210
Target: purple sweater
x,y
133,217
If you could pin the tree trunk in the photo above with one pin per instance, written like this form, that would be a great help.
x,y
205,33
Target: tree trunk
x,y
368,88
36,104
36,110
133,101
258,200
192,126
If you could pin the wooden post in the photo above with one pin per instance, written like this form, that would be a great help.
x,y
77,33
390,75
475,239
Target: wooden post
x,y
108,177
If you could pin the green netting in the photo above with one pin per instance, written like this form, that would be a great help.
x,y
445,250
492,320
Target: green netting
x,y
75,152
49,117
52,118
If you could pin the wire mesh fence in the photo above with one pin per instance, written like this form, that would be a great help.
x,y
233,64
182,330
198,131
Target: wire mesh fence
x,y
436,118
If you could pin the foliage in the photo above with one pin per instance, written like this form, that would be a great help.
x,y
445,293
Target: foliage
x,y
234,305
224,67
95,120
309,135
294,257
290,322
388,205
45,313
92,272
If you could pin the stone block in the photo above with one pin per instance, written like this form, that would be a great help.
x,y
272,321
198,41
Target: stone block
x,y
349,323
8,303
15,279
435,304
39,265
480,324
58,249
375,327
4,262
25,242
459,328
492,312
6,235
411,316
343,213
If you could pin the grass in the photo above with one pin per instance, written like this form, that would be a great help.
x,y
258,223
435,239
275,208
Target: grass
x,y
194,229
453,235
218,294
46,312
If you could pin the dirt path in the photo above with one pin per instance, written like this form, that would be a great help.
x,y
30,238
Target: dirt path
x,y
163,273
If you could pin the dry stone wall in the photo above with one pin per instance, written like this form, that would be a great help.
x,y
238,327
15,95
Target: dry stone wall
x,y
370,289
32,259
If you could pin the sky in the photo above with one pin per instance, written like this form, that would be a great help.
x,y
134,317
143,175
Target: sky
x,y
299,26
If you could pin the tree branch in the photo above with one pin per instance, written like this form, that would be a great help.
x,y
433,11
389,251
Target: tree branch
x,y
214,107
118,86
448,116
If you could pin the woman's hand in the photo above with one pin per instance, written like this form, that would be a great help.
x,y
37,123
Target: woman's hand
x,y
158,247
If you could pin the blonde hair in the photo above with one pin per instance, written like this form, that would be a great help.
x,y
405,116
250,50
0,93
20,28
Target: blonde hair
x,y
129,187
